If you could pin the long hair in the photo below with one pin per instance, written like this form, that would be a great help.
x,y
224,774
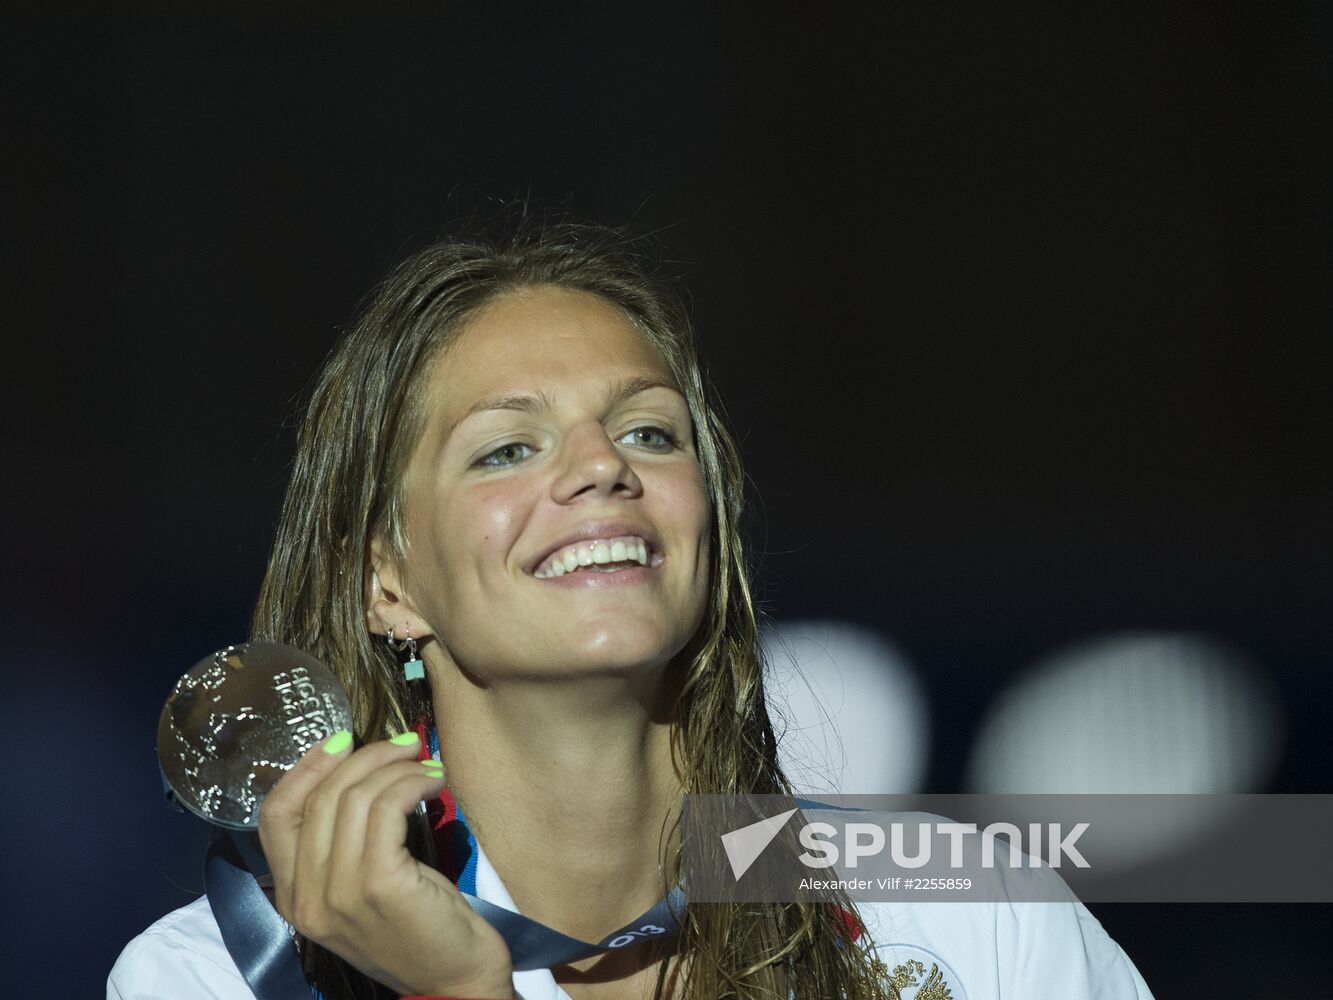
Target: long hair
x,y
347,488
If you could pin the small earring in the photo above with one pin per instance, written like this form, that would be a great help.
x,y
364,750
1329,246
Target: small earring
x,y
413,668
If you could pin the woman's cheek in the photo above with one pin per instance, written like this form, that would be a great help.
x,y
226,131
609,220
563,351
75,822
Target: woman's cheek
x,y
478,529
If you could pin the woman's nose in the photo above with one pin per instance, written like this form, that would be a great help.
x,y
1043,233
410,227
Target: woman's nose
x,y
593,464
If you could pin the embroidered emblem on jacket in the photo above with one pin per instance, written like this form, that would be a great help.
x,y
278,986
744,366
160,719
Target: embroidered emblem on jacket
x,y
928,985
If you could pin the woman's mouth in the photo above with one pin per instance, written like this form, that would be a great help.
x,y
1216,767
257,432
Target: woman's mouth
x,y
598,555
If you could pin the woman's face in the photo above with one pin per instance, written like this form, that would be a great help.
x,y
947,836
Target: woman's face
x,y
557,519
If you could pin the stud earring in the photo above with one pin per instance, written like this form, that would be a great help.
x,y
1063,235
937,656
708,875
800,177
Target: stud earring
x,y
413,668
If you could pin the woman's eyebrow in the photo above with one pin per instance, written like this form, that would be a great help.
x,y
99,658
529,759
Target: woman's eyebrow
x,y
618,392
537,402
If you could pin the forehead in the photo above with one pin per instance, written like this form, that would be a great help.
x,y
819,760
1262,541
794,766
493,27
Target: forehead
x,y
543,339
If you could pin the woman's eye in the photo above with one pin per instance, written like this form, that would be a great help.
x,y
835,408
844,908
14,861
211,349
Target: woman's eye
x,y
506,454
652,437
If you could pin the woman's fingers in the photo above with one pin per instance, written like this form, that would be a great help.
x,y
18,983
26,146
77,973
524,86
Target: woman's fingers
x,y
385,823
326,820
367,865
345,878
305,823
283,811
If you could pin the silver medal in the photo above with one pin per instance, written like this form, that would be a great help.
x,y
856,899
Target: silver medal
x,y
241,719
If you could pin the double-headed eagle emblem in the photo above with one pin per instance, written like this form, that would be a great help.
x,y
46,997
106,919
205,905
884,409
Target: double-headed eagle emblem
x,y
929,985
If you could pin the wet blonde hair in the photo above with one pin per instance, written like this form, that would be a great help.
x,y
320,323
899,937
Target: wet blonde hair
x,y
347,488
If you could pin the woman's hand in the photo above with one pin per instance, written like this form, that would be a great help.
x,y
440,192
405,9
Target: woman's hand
x,y
334,831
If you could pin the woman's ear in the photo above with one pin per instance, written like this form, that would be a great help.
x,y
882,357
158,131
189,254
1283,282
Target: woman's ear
x,y
386,602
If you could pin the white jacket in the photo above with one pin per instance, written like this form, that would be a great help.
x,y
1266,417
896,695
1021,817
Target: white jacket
x,y
931,951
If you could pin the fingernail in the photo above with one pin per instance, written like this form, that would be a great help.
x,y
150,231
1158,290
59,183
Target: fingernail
x,y
407,739
434,769
338,742
430,763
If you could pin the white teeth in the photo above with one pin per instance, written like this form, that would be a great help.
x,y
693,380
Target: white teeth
x,y
595,552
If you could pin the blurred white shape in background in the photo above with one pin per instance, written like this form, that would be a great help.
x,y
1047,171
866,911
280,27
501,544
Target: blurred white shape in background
x,y
850,716
1145,712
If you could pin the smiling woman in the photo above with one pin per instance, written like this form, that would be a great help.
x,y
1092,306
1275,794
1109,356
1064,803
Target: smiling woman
x,y
551,429
512,464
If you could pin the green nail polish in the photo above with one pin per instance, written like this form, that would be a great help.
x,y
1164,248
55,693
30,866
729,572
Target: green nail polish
x,y
407,739
430,763
338,742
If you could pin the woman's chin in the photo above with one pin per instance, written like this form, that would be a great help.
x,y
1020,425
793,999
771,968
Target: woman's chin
x,y
613,657
601,652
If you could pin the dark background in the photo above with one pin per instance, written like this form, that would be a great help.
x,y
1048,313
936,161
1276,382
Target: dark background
x,y
1022,314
